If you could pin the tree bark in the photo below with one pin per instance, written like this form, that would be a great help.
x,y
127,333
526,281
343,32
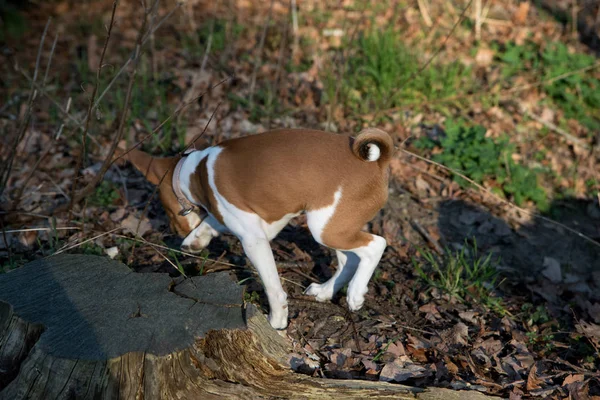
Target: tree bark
x,y
86,327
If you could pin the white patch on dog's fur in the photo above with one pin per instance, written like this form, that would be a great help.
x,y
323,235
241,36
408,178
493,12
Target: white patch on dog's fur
x,y
255,234
190,164
369,257
374,152
201,236
272,229
317,219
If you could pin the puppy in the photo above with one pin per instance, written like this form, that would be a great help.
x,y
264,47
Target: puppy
x,y
252,186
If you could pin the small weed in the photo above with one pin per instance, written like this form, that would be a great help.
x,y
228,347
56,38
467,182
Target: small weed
x,y
13,262
578,95
90,248
468,150
105,195
464,275
253,297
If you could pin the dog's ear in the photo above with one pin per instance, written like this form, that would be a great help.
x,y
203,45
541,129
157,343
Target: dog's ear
x,y
153,168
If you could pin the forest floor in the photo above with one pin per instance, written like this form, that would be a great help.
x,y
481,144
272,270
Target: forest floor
x,y
489,284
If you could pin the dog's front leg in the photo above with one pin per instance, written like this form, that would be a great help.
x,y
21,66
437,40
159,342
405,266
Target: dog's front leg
x,y
260,254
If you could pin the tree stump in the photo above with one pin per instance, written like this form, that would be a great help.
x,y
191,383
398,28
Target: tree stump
x,y
87,327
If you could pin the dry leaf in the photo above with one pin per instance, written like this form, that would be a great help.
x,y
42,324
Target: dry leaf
x,y
133,225
520,15
484,57
533,382
400,372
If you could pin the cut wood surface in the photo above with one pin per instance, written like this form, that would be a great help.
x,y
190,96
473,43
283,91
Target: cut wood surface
x,y
87,327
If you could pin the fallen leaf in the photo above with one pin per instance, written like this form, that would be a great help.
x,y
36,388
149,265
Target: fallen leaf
x,y
133,225
396,372
573,378
396,349
533,382
520,15
431,310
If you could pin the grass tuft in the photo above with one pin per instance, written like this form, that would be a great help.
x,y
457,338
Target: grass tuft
x,y
464,275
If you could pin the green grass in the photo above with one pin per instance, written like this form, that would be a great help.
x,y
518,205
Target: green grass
x,y
383,73
464,275
466,149
196,43
578,95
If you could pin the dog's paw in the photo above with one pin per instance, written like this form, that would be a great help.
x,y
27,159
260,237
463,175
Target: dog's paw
x,y
321,292
356,298
278,322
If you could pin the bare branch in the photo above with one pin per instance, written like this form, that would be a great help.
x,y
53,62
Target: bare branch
x,y
7,164
91,103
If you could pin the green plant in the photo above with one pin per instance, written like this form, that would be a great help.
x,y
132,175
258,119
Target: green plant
x,y
382,73
253,297
105,194
464,275
467,150
577,94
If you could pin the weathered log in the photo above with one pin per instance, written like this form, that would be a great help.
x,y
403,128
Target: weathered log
x,y
86,327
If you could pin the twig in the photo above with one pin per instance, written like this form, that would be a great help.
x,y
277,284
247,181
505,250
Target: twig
x,y
7,164
478,19
296,45
208,46
424,9
174,250
258,58
85,241
64,228
88,117
556,129
503,201
175,113
434,55
40,158
124,66
198,136
427,236
109,158
501,93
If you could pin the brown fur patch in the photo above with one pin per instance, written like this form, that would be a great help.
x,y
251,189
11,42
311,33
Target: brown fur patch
x,y
285,171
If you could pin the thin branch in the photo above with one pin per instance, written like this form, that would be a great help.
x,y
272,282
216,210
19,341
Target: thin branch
x,y
575,140
434,55
198,136
501,200
124,66
208,46
7,164
175,113
87,190
67,248
88,117
500,93
39,160
258,58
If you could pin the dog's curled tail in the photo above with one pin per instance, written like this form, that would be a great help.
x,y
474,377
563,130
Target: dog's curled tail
x,y
373,144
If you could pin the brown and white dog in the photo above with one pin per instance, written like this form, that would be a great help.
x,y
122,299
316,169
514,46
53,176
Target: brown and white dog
x,y
252,186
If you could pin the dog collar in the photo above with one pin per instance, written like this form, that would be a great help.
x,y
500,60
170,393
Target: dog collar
x,y
186,206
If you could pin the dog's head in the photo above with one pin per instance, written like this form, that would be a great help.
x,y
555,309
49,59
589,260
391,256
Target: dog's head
x,y
159,171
